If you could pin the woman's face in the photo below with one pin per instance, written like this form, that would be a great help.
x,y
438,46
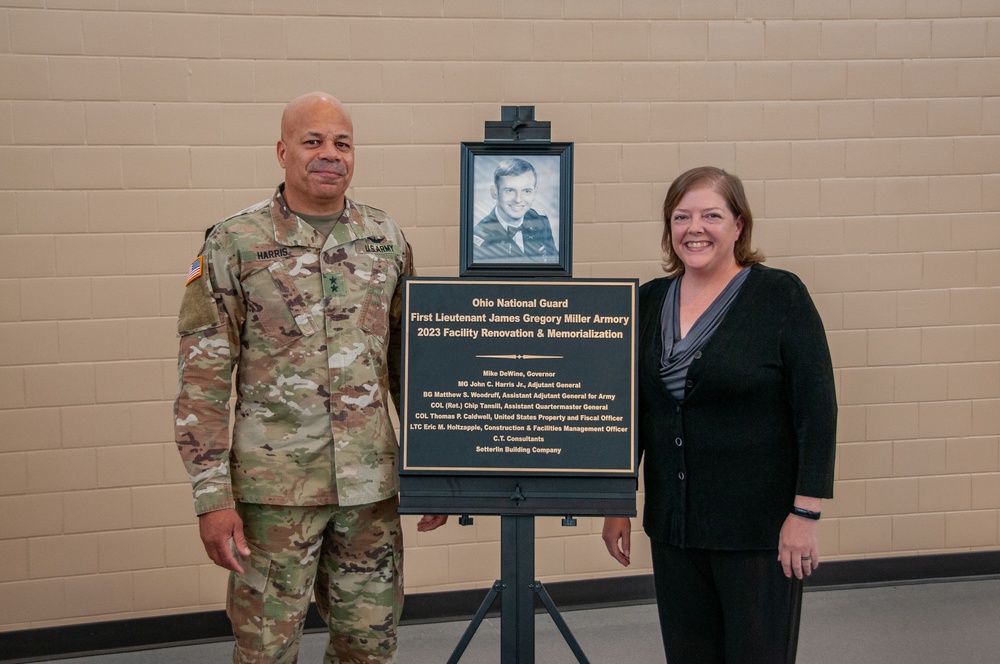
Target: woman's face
x,y
704,231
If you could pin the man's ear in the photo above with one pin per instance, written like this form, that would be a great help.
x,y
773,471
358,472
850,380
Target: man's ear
x,y
280,149
493,192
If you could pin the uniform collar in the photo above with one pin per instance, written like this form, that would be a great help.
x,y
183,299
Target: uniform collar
x,y
291,231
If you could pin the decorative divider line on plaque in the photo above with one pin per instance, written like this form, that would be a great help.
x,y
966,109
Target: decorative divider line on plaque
x,y
523,357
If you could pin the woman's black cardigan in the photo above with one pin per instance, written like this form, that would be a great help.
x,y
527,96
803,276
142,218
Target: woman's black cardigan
x,y
757,424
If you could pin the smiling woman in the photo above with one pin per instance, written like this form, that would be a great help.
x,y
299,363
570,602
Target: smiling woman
x,y
737,424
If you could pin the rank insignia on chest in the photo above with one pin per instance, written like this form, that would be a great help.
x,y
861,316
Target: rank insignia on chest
x,y
195,270
333,285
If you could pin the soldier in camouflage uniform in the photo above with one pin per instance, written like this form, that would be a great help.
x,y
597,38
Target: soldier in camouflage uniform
x,y
299,295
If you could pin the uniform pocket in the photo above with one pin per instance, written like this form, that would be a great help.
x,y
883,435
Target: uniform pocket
x,y
245,602
375,310
276,307
256,568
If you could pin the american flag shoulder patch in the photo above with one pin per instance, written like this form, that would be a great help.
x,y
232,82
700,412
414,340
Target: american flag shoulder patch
x,y
195,271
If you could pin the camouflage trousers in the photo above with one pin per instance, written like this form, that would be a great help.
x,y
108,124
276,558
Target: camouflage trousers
x,y
351,556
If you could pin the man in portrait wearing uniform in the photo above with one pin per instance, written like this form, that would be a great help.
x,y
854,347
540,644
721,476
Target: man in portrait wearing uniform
x,y
297,300
513,232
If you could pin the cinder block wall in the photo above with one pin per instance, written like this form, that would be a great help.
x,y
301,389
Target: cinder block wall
x,y
867,132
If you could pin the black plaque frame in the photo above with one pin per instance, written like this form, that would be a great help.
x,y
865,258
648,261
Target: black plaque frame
x,y
560,491
549,159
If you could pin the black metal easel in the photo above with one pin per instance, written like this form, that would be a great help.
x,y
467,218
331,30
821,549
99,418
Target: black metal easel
x,y
517,586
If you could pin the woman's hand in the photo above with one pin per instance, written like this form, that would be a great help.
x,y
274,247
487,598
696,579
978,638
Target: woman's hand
x,y
798,545
618,529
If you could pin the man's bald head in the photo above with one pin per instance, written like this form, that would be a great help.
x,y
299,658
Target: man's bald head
x,y
307,102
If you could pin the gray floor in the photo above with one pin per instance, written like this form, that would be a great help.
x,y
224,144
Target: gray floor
x,y
929,623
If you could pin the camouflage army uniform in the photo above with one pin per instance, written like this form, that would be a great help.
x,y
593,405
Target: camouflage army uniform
x,y
311,328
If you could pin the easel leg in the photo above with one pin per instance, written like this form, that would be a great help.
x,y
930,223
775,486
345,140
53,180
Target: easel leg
x,y
477,620
560,623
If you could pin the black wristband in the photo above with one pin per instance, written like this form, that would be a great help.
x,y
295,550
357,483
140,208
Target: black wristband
x,y
806,514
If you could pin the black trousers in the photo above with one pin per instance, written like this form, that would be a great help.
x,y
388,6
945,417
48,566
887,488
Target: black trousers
x,y
725,607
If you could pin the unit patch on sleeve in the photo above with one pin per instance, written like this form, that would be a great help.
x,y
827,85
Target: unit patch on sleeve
x,y
199,310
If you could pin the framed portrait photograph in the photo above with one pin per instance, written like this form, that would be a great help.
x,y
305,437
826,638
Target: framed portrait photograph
x,y
517,210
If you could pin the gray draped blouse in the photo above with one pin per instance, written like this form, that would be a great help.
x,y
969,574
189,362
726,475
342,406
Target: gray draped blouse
x,y
678,353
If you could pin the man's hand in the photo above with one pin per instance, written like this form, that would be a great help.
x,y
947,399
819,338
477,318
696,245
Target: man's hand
x,y
219,528
618,529
429,522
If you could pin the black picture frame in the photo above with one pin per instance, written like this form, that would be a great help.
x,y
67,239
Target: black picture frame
x,y
485,248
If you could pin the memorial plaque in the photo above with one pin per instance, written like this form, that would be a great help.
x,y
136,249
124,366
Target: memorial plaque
x,y
516,377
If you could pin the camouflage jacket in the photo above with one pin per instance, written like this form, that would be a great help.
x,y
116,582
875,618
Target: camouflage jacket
x,y
311,330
